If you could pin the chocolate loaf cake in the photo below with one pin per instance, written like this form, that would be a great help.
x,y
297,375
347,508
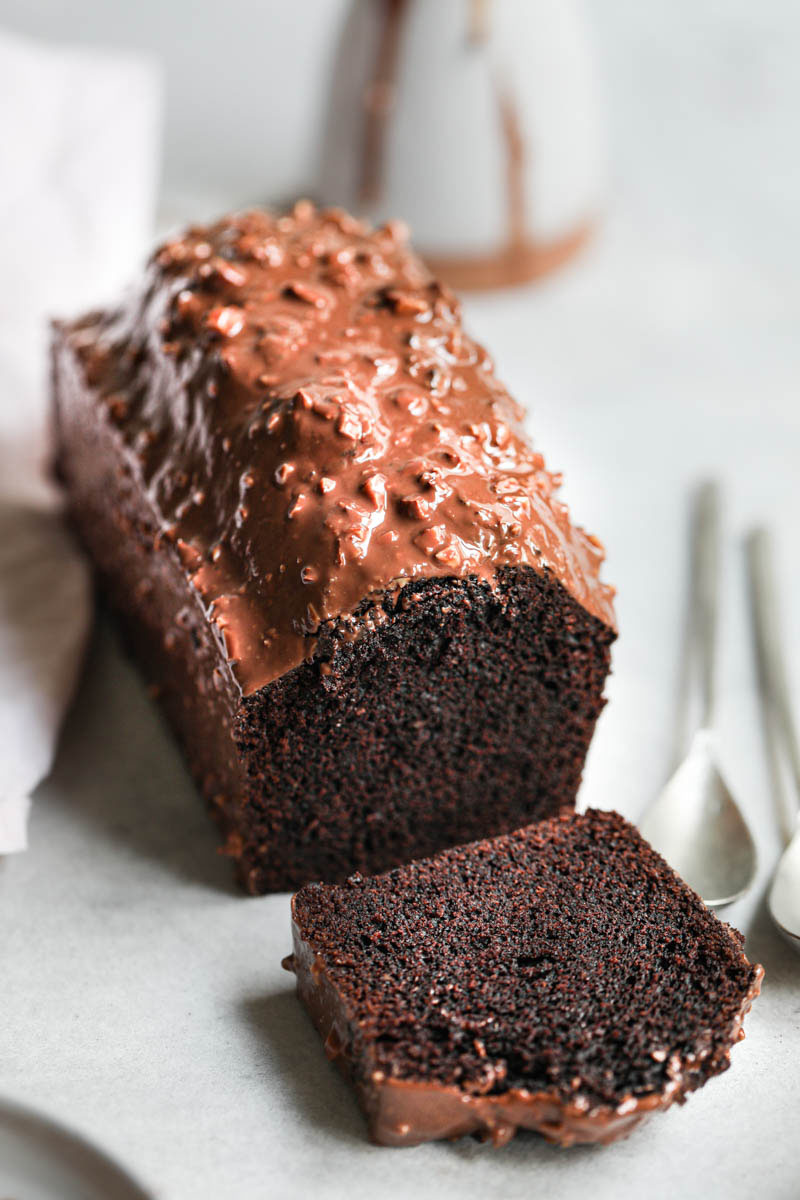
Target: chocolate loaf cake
x,y
343,568
561,978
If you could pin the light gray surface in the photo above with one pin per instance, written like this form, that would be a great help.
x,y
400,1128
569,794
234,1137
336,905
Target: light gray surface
x,y
40,1159
142,998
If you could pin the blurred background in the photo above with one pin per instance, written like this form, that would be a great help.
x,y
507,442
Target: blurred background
x,y
659,150
702,95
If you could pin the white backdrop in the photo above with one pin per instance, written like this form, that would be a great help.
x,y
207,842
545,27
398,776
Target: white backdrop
x,y
244,81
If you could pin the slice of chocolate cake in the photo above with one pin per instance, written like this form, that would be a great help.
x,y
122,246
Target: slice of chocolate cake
x,y
561,978
343,567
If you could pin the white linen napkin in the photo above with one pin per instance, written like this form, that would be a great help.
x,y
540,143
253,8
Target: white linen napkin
x,y
78,173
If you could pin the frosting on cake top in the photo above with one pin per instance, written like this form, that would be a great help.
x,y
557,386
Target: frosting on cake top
x,y
313,425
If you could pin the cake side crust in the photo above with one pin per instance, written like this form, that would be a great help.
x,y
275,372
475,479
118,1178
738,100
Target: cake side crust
x,y
142,579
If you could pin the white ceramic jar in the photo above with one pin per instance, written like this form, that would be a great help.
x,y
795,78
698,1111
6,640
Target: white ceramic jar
x,y
477,122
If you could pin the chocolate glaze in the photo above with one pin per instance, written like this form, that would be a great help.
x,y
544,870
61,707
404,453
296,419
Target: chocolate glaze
x,y
405,1112
336,432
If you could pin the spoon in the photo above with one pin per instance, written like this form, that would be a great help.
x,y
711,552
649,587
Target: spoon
x,y
780,736
695,822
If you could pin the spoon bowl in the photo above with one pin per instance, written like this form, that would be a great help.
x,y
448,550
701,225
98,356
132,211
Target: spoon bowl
x,y
780,732
784,895
696,825
695,822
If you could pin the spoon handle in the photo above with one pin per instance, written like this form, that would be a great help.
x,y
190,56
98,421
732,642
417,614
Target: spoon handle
x,y
776,709
705,592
